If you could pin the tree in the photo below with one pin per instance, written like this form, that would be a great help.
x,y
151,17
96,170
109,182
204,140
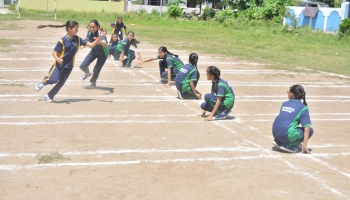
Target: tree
x,y
199,3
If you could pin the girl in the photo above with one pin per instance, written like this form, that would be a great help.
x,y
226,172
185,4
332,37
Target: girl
x,y
187,79
221,99
285,129
64,54
99,51
169,61
112,47
117,28
123,49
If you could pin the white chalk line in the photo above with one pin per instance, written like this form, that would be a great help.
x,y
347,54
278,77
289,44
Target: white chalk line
x,y
327,164
202,82
159,100
139,115
129,151
18,167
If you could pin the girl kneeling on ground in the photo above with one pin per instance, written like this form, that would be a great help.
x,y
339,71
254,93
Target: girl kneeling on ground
x,y
222,98
187,79
285,129
169,61
123,49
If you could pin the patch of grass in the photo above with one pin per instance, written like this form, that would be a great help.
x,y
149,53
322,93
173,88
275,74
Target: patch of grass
x,y
265,43
4,42
13,84
11,26
12,7
49,158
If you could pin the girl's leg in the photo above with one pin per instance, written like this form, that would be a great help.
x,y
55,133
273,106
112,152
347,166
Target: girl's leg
x,y
63,78
85,66
111,50
120,35
116,53
300,136
162,68
129,59
188,95
51,78
97,69
209,103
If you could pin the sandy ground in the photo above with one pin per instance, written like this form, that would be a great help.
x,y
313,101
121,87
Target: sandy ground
x,y
131,138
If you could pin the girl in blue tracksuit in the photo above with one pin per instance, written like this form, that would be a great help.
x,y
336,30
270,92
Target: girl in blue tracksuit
x,y
285,129
64,54
187,79
169,61
99,52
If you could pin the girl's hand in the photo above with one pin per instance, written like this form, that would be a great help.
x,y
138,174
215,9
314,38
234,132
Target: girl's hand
x,y
139,64
59,61
167,85
202,114
208,118
304,149
199,96
81,47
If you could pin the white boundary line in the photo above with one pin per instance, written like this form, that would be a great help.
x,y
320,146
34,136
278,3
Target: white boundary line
x,y
218,149
18,167
159,100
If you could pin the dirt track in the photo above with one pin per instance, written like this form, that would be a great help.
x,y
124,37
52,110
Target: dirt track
x,y
131,138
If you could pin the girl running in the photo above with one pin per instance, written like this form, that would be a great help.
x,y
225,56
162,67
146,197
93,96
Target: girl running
x,y
187,79
112,47
123,49
222,98
98,51
285,129
169,61
64,54
117,28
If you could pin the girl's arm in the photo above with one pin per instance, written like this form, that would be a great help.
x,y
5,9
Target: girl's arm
x,y
103,43
306,138
139,54
169,78
193,88
94,43
148,60
217,104
59,60
121,58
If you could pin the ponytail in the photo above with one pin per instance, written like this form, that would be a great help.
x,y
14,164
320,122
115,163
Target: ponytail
x,y
193,59
298,92
51,26
213,70
69,24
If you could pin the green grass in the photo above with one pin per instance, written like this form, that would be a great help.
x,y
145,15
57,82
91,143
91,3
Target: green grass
x,y
11,26
4,42
49,158
255,41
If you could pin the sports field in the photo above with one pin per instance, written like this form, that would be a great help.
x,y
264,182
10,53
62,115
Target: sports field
x,y
132,138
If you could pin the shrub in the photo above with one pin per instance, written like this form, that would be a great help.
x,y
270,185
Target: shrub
x,y
174,11
12,7
155,12
221,15
208,13
344,28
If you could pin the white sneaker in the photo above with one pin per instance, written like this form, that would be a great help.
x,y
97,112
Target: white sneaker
x,y
84,76
39,86
47,98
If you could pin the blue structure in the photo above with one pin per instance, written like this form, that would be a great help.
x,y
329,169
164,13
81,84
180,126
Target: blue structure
x,y
326,19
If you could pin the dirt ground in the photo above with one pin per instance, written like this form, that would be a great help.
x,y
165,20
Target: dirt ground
x,y
131,138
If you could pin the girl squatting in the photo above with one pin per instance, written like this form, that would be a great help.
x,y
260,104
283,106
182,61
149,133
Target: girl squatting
x,y
221,99
285,129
